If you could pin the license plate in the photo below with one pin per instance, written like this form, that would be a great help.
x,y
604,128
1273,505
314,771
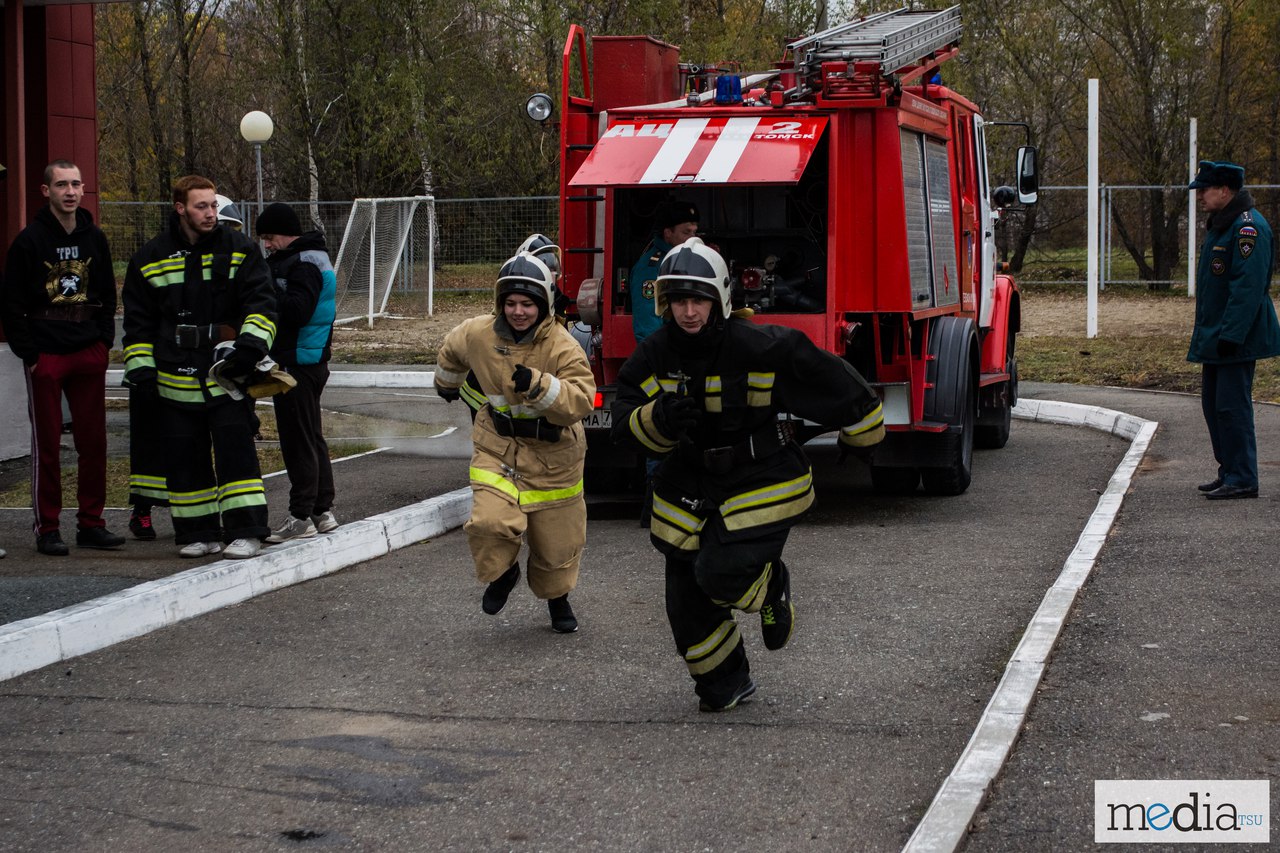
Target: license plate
x,y
598,419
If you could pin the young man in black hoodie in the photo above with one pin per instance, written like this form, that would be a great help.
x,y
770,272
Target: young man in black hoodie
x,y
305,289
58,306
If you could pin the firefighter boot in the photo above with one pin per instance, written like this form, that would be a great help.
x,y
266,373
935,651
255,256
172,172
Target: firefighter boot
x,y
562,619
777,615
495,595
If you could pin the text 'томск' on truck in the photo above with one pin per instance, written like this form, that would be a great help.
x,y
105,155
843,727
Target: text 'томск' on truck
x,y
848,191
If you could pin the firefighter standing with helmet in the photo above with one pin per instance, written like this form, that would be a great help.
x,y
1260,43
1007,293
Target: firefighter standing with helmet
x,y
529,448
703,394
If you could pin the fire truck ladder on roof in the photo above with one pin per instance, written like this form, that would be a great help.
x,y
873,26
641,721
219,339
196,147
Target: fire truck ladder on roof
x,y
895,40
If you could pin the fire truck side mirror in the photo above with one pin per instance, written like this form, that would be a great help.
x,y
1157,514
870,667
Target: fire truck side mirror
x,y
1028,175
589,301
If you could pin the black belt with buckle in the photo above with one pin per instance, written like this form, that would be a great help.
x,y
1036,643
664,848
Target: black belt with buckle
x,y
761,444
537,428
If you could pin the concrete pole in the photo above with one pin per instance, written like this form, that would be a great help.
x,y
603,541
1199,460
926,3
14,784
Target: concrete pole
x,y
1091,317
1191,214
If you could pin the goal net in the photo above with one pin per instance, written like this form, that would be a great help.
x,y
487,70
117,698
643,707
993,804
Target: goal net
x,y
386,257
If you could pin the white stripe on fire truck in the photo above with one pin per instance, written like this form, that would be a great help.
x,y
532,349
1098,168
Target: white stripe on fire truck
x,y
671,156
728,149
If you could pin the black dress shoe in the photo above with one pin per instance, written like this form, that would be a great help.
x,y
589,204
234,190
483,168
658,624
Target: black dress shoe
x,y
1209,487
50,544
1229,493
562,619
97,537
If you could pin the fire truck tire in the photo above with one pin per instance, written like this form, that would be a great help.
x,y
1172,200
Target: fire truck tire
x,y
888,480
995,423
952,399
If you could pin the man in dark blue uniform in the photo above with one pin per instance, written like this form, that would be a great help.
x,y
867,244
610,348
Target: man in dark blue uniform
x,y
1235,323
675,222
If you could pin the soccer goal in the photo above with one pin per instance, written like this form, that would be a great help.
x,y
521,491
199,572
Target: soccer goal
x,y
388,248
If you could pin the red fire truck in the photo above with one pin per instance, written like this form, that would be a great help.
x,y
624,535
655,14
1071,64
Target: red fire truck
x,y
848,191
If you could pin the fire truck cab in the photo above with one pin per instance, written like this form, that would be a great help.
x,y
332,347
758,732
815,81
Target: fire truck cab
x,y
848,192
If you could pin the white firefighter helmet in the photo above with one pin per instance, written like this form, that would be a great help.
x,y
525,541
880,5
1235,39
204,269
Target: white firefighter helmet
x,y
692,269
228,212
527,274
544,249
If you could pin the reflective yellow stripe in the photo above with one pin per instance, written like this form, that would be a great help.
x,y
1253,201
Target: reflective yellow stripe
x,y
754,596
259,327
526,497
770,514
686,521
773,493
646,431
650,386
866,432
712,651
472,397
714,385
258,498
449,377
139,355
760,398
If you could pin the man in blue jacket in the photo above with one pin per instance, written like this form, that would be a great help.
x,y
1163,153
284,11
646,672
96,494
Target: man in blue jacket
x,y
1235,323
305,286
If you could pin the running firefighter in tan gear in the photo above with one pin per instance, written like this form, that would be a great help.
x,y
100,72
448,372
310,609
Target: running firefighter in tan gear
x,y
526,467
703,394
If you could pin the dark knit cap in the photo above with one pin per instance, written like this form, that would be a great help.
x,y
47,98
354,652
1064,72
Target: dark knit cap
x,y
278,219
672,213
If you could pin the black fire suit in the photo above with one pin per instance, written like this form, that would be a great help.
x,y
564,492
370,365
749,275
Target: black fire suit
x,y
729,490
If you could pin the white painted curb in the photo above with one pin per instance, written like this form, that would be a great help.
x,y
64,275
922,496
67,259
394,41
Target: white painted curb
x,y
41,640
348,379
947,820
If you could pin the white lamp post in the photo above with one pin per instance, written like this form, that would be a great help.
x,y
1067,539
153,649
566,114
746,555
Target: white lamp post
x,y
256,127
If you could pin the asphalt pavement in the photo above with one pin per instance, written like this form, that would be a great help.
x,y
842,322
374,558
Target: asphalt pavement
x,y
377,708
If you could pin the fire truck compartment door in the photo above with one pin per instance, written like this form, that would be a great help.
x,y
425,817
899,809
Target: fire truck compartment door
x,y
760,149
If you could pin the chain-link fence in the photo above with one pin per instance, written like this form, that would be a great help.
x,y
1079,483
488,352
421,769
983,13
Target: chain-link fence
x,y
474,236
1143,235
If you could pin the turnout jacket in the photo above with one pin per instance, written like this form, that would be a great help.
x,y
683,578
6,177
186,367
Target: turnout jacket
x,y
528,447
1233,277
739,469
59,293
306,286
218,289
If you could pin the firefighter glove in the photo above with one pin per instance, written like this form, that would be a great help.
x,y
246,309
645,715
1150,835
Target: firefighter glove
x,y
1227,349
448,394
523,378
675,414
242,361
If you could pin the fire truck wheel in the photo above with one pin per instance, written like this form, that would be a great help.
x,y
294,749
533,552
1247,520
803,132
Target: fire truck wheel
x,y
894,481
993,431
953,399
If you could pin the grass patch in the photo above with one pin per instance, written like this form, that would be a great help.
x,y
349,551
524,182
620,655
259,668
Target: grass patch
x,y
1127,362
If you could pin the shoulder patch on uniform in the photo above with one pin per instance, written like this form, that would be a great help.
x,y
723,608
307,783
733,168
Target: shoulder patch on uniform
x,y
1218,266
1247,216
1247,231
646,289
1246,246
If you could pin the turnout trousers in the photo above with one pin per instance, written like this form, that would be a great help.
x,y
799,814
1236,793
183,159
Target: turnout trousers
x,y
555,534
703,590
1226,396
302,444
81,376
147,450
209,507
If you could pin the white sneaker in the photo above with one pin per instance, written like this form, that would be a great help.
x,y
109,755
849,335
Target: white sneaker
x,y
242,549
293,528
200,549
324,522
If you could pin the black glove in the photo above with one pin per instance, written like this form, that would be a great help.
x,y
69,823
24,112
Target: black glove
x,y
448,394
523,378
243,361
1226,349
675,415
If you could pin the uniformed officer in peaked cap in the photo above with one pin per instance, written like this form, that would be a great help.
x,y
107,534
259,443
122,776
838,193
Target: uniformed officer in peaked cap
x,y
1235,323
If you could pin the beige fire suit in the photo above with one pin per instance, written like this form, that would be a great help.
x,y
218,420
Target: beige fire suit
x,y
526,466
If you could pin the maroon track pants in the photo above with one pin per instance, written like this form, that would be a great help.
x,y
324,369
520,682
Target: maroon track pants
x,y
81,376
